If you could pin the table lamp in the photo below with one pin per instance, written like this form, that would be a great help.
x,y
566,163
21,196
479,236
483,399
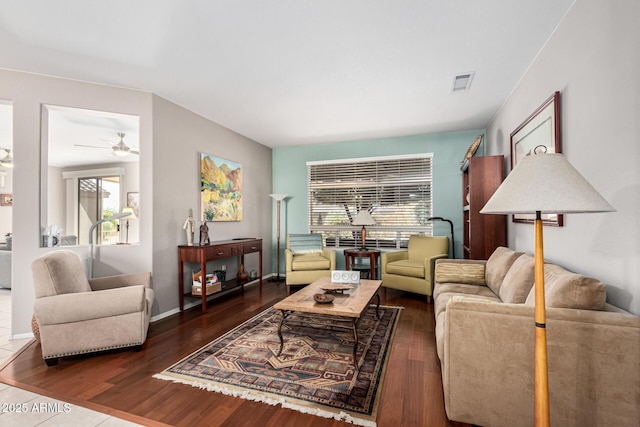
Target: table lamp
x,y
544,183
364,218
132,215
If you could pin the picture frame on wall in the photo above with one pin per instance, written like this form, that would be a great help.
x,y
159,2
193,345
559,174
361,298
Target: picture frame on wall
x,y
133,201
6,199
220,189
539,133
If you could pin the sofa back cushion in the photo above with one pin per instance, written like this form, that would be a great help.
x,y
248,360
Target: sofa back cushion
x,y
564,289
59,272
498,265
518,281
304,243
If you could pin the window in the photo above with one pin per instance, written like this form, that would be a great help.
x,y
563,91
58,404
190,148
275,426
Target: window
x,y
99,198
396,190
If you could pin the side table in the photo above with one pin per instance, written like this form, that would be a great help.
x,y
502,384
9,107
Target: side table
x,y
350,256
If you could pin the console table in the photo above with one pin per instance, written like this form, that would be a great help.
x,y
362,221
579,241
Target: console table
x,y
215,250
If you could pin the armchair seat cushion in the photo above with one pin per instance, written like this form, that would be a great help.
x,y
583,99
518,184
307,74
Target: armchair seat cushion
x,y
307,262
407,267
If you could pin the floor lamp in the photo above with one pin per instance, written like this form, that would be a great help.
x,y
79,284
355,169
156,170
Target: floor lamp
x,y
278,198
544,184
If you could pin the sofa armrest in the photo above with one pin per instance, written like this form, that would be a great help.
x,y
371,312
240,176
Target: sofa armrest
x,y
119,281
388,257
331,255
78,307
288,257
430,265
488,364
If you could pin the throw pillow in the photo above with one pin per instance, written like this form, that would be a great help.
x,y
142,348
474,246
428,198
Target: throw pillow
x,y
469,272
518,281
564,289
498,264
305,243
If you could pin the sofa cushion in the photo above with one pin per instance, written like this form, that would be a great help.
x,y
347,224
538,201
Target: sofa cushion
x,y
307,262
518,281
498,265
444,298
305,243
469,272
407,267
564,289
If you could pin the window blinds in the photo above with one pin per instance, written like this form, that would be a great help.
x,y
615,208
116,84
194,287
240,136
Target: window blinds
x,y
396,190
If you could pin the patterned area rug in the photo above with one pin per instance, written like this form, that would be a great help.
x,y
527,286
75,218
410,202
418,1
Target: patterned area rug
x,y
314,373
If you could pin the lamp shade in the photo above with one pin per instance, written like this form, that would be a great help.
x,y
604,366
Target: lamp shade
x,y
131,212
545,183
279,196
364,218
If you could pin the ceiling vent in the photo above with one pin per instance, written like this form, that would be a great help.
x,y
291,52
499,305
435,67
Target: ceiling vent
x,y
461,82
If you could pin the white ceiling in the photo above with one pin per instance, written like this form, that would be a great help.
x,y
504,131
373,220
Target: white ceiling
x,y
292,72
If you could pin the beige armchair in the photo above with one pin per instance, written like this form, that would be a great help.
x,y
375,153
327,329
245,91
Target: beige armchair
x,y
78,315
412,270
307,259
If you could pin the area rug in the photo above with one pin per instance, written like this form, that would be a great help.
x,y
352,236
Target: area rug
x,y
314,373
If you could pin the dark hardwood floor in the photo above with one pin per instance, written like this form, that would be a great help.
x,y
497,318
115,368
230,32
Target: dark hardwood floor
x,y
120,382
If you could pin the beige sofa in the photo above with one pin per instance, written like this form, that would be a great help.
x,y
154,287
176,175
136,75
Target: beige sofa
x,y
77,315
485,341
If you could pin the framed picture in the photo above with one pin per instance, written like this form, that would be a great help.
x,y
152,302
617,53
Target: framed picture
x,y
6,199
220,189
133,201
539,133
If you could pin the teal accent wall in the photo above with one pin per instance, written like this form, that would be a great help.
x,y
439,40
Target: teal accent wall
x,y
290,177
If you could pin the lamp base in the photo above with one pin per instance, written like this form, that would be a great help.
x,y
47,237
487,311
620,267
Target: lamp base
x,y
277,278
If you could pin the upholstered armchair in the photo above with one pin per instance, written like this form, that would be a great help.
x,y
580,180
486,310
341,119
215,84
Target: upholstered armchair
x,y
78,315
307,259
412,270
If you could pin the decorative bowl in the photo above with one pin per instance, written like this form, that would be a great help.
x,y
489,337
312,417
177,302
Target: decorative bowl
x,y
323,298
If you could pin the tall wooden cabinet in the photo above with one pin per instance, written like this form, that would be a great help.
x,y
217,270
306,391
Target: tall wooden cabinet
x,y
483,233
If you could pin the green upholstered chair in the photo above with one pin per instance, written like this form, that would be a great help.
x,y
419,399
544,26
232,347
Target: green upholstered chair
x,y
412,270
307,259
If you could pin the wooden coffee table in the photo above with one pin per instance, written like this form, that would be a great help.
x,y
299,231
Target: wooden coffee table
x,y
347,306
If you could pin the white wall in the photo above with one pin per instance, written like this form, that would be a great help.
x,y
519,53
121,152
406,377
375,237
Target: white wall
x,y
593,59
27,92
171,139
6,212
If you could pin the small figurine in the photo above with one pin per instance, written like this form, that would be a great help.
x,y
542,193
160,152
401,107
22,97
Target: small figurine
x,y
204,234
190,227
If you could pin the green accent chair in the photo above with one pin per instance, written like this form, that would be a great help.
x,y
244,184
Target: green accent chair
x,y
412,270
307,259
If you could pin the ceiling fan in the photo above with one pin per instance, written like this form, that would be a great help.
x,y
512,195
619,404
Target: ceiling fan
x,y
119,149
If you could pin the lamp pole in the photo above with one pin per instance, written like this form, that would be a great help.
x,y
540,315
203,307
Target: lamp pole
x,y
453,241
278,198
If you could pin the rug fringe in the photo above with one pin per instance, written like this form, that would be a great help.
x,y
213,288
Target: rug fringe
x,y
341,416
